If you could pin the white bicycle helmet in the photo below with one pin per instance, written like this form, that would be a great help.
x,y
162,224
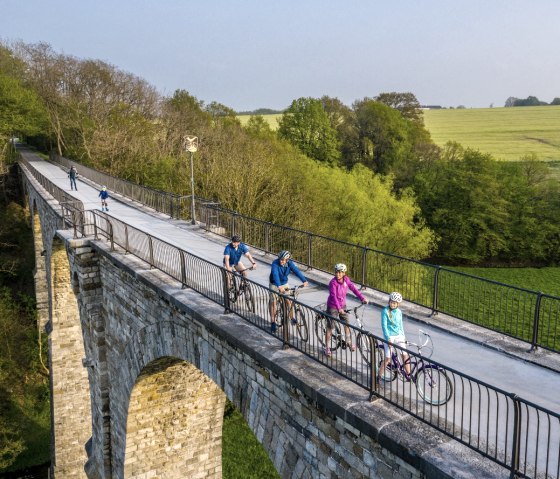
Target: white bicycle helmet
x,y
396,297
284,254
340,267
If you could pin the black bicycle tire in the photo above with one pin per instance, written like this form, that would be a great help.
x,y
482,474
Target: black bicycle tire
x,y
301,325
420,381
249,299
362,339
279,315
390,368
321,329
233,291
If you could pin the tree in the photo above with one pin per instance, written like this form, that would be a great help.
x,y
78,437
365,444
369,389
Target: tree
x,y
306,125
556,101
383,141
406,103
511,101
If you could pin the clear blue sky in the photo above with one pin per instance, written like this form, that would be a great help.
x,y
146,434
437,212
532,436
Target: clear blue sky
x,y
249,54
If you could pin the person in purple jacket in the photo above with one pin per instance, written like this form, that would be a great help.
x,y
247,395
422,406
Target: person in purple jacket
x,y
336,304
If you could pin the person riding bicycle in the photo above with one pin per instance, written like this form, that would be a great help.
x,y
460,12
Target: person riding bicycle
x,y
233,253
393,332
104,194
278,281
336,304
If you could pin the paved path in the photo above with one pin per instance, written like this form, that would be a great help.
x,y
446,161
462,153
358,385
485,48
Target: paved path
x,y
471,356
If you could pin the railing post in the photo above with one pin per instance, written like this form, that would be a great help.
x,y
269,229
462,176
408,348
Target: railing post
x,y
309,250
183,269
373,386
516,440
536,318
225,287
126,249
267,237
364,259
435,296
151,251
95,235
285,324
111,235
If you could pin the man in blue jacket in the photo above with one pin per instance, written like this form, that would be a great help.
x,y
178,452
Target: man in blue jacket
x,y
279,271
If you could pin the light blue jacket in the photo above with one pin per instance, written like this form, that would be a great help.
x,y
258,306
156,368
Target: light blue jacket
x,y
391,325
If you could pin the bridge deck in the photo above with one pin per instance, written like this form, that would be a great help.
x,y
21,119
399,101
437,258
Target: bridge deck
x,y
490,357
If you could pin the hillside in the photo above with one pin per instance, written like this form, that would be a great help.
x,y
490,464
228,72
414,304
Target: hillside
x,y
506,133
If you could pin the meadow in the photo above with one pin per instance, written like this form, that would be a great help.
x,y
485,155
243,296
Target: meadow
x,y
505,133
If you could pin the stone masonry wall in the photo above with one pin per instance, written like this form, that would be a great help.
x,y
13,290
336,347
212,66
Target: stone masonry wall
x,y
312,422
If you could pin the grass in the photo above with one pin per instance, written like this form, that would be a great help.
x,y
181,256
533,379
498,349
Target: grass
x,y
243,457
545,280
271,119
506,133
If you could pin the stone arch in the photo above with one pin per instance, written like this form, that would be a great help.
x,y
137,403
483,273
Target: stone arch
x,y
174,423
70,398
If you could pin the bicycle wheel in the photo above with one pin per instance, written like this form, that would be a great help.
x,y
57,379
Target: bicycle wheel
x,y
364,345
433,385
321,324
233,291
301,325
390,372
249,299
279,316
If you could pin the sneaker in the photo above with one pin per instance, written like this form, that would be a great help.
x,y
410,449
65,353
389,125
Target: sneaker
x,y
294,321
273,327
353,347
327,352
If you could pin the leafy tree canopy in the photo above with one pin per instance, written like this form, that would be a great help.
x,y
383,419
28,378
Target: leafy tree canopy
x,y
306,125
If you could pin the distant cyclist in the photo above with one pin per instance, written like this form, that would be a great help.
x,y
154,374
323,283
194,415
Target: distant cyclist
x,y
104,194
279,271
393,332
233,253
336,303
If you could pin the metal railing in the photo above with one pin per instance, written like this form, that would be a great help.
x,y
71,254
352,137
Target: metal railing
x,y
527,315
511,431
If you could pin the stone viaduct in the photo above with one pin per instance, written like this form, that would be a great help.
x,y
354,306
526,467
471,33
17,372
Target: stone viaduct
x,y
141,369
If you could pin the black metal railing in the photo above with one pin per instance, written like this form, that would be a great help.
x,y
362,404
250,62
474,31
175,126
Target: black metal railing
x,y
527,315
513,432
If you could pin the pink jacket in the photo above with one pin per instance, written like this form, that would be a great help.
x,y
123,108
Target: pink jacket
x,y
338,292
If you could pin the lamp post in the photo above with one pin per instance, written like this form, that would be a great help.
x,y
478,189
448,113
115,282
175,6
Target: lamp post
x,y
191,145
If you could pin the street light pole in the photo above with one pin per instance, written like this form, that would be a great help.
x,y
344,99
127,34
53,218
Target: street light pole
x,y
191,145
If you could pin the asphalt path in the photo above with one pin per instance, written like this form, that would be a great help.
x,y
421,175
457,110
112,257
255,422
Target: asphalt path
x,y
531,382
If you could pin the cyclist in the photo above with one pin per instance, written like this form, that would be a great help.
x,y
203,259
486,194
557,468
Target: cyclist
x,y
278,281
393,332
233,253
104,194
336,304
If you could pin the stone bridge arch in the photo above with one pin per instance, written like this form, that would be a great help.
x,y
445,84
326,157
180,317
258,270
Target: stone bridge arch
x,y
174,424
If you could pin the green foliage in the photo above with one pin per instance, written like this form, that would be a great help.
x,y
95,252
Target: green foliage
x,y
243,457
306,125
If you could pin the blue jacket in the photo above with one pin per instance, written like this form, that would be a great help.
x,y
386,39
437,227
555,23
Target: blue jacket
x,y
393,325
279,274
103,194
235,254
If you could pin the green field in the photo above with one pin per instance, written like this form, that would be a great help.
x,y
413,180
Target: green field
x,y
506,133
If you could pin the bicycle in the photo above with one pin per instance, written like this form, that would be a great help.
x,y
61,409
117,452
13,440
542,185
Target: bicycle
x,y
240,287
297,318
431,381
338,339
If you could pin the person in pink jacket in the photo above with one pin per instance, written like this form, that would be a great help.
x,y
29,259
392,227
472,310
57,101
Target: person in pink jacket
x,y
336,304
